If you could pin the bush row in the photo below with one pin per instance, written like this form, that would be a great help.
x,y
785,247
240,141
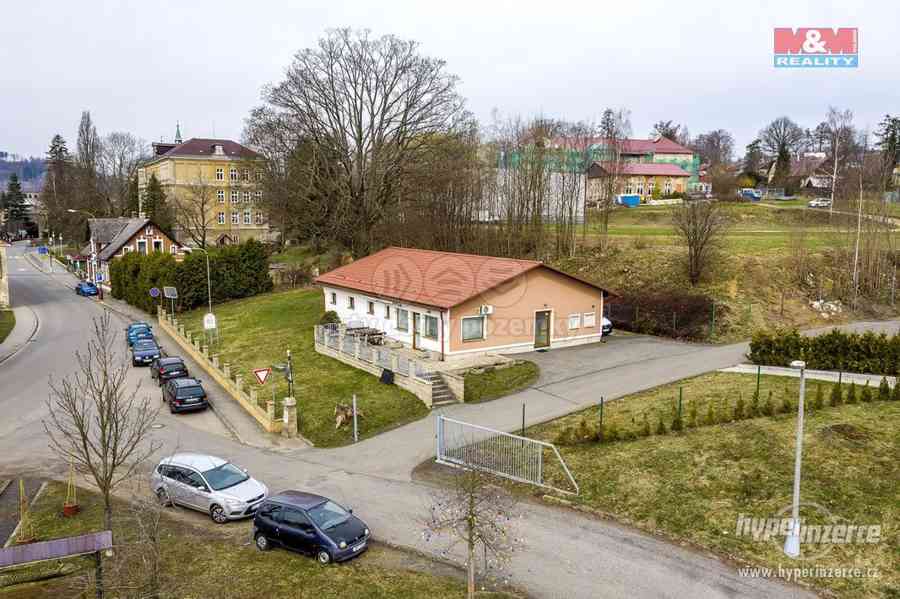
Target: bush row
x,y
235,271
696,415
679,315
836,350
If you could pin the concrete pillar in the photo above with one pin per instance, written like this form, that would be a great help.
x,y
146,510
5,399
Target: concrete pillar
x,y
160,313
196,341
205,351
395,362
253,398
289,428
226,370
270,410
356,348
340,346
238,382
215,361
181,330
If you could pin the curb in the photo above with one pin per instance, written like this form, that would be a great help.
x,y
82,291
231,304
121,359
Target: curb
x,y
24,344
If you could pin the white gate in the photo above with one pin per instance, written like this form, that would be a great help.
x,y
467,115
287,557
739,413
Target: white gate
x,y
521,459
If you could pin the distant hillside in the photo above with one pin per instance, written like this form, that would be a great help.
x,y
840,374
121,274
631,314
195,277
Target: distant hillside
x,y
27,169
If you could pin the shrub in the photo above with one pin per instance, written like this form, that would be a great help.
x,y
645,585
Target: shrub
x,y
895,395
653,314
692,415
610,433
739,410
835,350
585,431
710,418
851,394
564,437
330,317
836,398
866,395
661,427
677,423
819,399
645,427
768,408
884,390
753,409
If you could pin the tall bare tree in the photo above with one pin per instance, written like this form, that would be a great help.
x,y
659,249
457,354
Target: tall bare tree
x,y
120,155
700,224
193,207
615,128
839,131
715,148
781,140
95,420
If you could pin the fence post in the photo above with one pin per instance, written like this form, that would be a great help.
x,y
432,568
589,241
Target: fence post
x,y
355,427
395,362
712,321
601,414
356,348
289,428
758,374
680,396
215,361
226,370
270,410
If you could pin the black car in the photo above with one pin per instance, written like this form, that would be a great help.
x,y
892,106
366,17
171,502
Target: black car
x,y
310,524
144,351
163,369
184,394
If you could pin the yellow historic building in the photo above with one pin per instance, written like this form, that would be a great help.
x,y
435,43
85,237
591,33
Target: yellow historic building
x,y
213,185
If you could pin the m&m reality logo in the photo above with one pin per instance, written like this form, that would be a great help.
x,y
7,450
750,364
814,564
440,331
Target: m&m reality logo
x,y
816,47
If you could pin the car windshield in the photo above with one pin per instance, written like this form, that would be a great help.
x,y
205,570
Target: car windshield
x,y
226,475
328,515
144,345
192,391
172,367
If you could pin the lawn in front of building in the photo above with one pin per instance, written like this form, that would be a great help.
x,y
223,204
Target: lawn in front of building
x,y
7,323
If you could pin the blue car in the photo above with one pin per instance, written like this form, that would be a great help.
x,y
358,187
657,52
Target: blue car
x,y
136,331
144,351
86,288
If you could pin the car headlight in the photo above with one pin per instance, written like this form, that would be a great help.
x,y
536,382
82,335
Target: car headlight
x,y
342,544
366,532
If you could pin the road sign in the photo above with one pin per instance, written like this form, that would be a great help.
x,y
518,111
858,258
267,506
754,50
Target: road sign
x,y
99,277
154,292
262,374
209,322
43,250
170,293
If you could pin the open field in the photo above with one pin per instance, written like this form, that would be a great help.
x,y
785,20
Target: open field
x,y
256,332
202,561
7,323
692,486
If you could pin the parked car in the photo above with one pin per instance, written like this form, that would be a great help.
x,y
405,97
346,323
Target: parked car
x,y
138,330
819,203
207,484
163,369
144,351
184,394
310,524
606,326
86,288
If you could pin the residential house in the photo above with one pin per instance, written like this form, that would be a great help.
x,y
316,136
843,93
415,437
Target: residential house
x,y
810,171
114,237
452,304
217,173
644,179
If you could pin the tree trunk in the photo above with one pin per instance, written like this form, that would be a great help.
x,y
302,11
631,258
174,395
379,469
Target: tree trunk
x,y
470,588
107,511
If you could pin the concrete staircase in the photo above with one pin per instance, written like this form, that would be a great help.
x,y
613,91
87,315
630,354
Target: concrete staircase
x,y
441,395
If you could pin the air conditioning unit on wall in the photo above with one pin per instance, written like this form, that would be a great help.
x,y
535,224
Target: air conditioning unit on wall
x,y
486,309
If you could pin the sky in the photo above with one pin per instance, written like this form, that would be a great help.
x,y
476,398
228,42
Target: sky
x,y
140,67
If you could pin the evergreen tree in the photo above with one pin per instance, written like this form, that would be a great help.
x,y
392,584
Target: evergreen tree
x,y
836,398
884,390
851,394
819,400
14,204
866,395
155,205
769,406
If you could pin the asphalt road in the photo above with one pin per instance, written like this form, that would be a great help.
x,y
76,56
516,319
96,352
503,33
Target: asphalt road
x,y
566,555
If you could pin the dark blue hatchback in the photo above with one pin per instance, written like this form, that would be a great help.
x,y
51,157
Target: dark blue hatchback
x,y
310,524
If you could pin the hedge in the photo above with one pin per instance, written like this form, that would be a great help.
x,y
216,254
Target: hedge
x,y
235,271
676,314
867,353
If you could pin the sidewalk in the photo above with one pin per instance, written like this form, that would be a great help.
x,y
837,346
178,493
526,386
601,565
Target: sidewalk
x,y
24,330
830,376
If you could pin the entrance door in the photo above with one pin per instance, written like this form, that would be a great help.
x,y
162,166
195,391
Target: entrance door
x,y
416,338
542,329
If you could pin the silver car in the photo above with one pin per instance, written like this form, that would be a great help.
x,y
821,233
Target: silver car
x,y
207,484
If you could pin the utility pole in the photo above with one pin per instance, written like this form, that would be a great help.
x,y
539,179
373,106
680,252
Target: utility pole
x,y
792,540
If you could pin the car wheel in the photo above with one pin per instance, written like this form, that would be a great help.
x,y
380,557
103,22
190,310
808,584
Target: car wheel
x,y
163,496
323,557
262,543
172,411
217,513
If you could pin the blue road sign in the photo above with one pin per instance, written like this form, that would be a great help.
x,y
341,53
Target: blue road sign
x,y
154,292
99,277
43,250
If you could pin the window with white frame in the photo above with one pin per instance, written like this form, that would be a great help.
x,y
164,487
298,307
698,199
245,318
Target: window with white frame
x,y
173,248
232,174
220,174
333,298
574,321
259,218
431,327
259,175
248,217
220,195
258,195
370,308
245,176
351,302
221,218
668,187
235,218
629,187
247,196
142,246
387,312
157,245
148,231
473,328
640,187
402,319
590,319
235,196
650,185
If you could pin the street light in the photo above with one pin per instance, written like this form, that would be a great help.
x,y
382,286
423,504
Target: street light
x,y
792,541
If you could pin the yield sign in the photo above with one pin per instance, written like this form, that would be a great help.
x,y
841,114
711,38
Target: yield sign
x,y
262,374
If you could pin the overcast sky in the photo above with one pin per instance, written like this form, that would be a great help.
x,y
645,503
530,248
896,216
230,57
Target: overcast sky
x,y
707,64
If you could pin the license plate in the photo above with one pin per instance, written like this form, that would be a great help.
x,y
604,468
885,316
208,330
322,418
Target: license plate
x,y
358,546
191,400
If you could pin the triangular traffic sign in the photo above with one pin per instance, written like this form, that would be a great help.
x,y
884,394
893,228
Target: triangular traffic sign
x,y
262,374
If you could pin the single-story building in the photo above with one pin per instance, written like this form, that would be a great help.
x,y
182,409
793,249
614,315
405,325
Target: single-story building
x,y
113,237
454,304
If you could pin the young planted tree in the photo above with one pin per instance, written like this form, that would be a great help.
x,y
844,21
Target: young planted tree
x,y
95,421
478,513
701,226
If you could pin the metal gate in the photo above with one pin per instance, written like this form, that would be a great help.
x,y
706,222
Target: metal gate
x,y
521,459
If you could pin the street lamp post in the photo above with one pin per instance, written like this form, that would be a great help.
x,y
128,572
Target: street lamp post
x,y
792,541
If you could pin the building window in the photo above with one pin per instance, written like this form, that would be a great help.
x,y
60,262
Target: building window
x,y
668,186
590,320
387,312
650,185
259,175
351,302
258,195
148,231
232,174
248,217
431,327
259,218
157,245
220,195
629,187
221,218
574,321
245,176
173,248
142,246
333,298
402,320
640,187
247,196
235,218
220,174
473,328
371,308
235,196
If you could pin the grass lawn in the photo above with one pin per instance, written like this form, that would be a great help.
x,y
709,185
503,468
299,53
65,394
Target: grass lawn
x,y
256,332
497,382
7,322
221,562
693,485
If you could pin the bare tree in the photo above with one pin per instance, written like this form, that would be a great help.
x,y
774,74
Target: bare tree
x,y
120,154
95,421
700,225
781,139
715,148
475,510
615,127
194,210
839,129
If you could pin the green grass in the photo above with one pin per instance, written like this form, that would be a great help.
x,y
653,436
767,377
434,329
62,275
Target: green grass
x,y
692,486
256,333
7,323
216,561
494,382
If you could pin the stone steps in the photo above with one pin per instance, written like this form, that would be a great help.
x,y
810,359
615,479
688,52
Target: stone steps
x,y
441,394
